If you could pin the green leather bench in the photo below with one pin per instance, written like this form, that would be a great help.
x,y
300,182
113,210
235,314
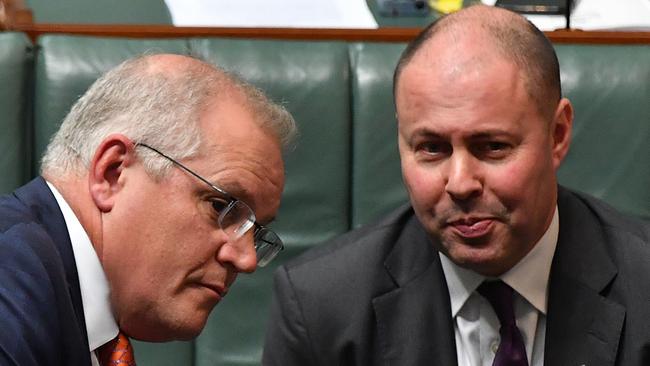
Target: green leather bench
x,y
15,73
610,152
345,168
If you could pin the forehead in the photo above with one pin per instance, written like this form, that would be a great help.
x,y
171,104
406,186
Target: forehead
x,y
239,154
459,87
452,57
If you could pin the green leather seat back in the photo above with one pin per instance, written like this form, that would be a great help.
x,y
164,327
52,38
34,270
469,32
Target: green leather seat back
x,y
312,80
610,152
66,66
376,176
100,11
345,168
15,95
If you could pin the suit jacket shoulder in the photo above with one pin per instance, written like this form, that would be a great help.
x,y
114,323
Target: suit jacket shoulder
x,y
360,299
599,289
39,316
370,244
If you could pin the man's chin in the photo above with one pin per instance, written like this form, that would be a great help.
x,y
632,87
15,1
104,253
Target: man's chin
x,y
174,330
191,329
163,336
481,259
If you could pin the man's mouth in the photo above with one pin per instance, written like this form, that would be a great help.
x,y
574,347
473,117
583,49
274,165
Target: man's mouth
x,y
471,228
219,290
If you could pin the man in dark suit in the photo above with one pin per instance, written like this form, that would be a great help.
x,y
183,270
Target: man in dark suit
x,y
491,263
149,205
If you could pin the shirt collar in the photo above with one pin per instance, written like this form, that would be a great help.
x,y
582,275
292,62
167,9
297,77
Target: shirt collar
x,y
100,323
529,277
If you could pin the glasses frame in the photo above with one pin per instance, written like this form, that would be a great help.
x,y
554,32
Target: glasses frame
x,y
260,232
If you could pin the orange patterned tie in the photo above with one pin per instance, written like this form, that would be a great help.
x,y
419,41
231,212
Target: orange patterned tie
x,y
117,352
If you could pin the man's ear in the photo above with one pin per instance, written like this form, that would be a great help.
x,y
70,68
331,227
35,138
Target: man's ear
x,y
113,154
561,131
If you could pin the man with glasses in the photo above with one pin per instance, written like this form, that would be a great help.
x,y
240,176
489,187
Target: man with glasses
x,y
154,195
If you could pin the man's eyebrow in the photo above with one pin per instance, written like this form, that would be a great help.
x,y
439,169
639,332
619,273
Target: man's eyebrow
x,y
490,133
240,192
235,189
425,132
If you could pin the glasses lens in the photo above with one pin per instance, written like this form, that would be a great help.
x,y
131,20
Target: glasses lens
x,y
236,219
267,246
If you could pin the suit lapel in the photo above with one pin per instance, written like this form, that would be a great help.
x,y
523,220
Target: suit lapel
x,y
583,327
414,324
37,196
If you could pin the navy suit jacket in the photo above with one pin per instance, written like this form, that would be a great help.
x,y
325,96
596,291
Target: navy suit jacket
x,y
378,296
41,313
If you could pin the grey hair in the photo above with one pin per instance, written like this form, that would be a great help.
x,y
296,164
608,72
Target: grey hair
x,y
153,106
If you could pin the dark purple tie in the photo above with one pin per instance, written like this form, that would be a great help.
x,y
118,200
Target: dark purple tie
x,y
512,351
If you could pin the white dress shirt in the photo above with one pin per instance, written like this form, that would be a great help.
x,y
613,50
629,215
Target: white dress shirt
x,y
100,323
476,325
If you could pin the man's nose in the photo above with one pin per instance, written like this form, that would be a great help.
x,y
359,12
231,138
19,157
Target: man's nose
x,y
240,253
463,180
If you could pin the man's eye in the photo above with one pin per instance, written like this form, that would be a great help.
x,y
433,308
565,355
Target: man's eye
x,y
432,148
219,205
494,148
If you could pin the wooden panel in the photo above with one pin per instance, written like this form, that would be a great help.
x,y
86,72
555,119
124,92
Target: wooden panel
x,y
380,35
14,13
601,37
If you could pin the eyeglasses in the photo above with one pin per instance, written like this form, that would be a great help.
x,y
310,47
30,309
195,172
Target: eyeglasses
x,y
236,217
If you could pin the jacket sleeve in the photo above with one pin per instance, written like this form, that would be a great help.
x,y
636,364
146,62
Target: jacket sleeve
x,y
287,340
27,317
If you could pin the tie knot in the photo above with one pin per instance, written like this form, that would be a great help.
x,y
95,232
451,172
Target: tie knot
x,y
500,296
117,352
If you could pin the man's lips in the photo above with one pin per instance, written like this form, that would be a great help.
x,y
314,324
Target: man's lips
x,y
219,290
472,227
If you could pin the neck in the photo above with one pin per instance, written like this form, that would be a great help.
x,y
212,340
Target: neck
x,y
74,190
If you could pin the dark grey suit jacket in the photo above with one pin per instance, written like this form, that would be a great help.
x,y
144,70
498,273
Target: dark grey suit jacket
x,y
377,296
